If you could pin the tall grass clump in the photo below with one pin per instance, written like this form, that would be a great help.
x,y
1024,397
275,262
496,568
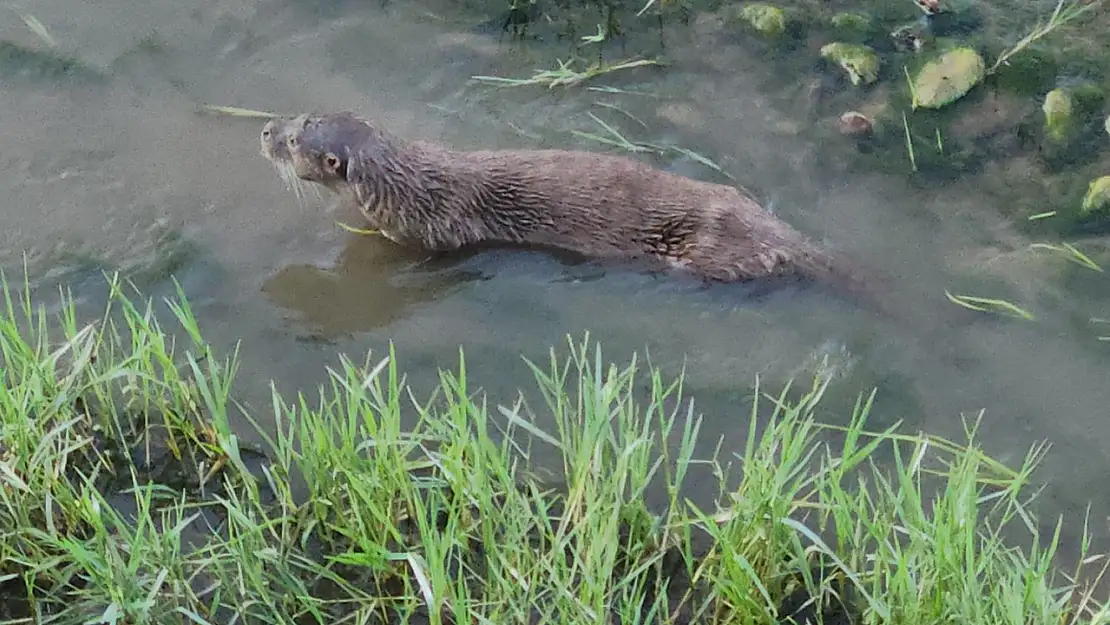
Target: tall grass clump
x,y
81,405
126,497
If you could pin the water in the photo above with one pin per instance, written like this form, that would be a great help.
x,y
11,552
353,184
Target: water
x,y
109,174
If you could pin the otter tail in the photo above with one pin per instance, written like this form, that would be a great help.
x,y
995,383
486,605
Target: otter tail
x,y
876,291
848,278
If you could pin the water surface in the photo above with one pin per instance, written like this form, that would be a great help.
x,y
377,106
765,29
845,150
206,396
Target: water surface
x,y
124,173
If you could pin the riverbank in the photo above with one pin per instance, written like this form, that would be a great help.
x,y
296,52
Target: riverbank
x,y
125,497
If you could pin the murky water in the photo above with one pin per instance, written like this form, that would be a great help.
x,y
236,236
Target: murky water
x,y
125,173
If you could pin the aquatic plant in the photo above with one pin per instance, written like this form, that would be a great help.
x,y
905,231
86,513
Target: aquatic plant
x,y
613,137
567,75
50,64
989,305
1065,12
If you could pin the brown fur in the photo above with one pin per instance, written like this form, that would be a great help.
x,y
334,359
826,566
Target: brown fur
x,y
597,205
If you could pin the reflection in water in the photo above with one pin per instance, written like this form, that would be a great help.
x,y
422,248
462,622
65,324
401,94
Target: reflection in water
x,y
372,283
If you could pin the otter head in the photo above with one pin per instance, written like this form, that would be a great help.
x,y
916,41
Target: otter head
x,y
314,148
272,139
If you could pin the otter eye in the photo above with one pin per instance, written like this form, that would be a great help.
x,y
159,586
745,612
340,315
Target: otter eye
x,y
332,161
292,141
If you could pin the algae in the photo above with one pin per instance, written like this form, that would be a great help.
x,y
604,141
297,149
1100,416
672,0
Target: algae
x,y
947,78
1087,97
766,19
859,61
17,60
1059,116
852,26
1097,198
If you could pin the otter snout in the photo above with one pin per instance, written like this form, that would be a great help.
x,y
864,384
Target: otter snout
x,y
265,139
272,140
268,130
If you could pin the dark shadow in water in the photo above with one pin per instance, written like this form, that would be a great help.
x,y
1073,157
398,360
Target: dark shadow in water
x,y
371,284
374,282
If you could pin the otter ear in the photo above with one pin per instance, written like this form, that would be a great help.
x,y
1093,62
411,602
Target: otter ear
x,y
332,163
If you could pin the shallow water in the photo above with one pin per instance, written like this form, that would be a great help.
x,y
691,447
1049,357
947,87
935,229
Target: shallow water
x,y
95,174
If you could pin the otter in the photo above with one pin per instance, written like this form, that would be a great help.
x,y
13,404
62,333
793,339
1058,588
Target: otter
x,y
596,205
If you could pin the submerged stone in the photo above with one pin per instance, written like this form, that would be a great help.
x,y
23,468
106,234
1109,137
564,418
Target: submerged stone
x,y
912,37
766,19
852,26
854,124
1098,196
877,107
931,7
1059,116
947,78
859,61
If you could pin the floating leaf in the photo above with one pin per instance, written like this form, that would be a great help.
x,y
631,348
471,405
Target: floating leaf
x,y
947,78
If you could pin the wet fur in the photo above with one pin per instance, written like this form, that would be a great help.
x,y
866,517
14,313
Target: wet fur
x,y
597,205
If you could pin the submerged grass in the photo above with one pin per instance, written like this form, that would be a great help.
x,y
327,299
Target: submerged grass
x,y
373,506
613,137
1063,14
566,75
989,304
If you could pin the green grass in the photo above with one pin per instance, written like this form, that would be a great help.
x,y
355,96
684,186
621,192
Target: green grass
x,y
371,505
